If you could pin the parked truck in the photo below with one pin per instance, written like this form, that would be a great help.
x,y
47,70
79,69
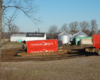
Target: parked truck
x,y
95,46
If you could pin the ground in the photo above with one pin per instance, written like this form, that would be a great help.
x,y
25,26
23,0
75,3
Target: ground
x,y
75,64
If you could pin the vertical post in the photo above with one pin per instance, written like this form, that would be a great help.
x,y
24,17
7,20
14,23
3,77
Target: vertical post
x,y
0,31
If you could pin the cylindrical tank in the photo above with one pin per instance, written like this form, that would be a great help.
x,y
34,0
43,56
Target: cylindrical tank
x,y
79,34
64,38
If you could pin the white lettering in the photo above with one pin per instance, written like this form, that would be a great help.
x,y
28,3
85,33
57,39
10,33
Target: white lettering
x,y
42,44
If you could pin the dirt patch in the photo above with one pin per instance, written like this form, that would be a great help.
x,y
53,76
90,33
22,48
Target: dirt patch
x,y
73,52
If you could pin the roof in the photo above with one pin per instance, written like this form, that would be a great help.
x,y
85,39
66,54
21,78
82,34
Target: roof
x,y
18,35
30,34
79,33
64,33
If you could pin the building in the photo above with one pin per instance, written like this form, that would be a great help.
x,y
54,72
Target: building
x,y
30,36
16,37
35,36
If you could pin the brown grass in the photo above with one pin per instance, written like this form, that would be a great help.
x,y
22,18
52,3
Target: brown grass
x,y
10,45
84,68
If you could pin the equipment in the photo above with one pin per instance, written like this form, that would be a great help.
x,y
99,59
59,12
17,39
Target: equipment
x,y
95,46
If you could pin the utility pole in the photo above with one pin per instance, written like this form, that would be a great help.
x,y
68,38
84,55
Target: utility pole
x,y
0,31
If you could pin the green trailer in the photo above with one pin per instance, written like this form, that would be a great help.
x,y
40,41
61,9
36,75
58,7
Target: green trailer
x,y
78,39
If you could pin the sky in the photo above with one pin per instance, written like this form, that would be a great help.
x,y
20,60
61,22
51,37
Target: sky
x,y
59,12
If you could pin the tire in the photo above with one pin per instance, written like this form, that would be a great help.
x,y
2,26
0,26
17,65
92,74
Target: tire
x,y
98,52
90,50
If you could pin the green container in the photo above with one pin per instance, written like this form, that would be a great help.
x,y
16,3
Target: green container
x,y
78,39
19,40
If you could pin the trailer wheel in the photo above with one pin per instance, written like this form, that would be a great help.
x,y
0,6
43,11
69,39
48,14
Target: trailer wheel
x,y
98,52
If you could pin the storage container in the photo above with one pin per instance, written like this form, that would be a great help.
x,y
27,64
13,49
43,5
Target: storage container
x,y
42,46
96,40
78,39
86,42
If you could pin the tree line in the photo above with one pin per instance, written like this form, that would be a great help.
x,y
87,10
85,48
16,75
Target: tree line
x,y
88,28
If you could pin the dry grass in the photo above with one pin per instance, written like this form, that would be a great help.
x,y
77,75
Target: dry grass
x,y
9,45
84,68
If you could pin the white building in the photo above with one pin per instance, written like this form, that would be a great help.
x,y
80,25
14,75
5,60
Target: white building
x,y
28,37
16,37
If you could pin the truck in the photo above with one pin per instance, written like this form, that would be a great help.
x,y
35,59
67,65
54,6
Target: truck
x,y
95,46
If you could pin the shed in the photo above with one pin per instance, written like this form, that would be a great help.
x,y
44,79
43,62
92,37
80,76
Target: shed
x,y
64,37
78,39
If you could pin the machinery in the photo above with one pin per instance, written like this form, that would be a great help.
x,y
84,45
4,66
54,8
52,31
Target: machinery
x,y
95,46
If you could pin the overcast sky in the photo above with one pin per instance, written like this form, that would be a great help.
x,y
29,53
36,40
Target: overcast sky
x,y
59,12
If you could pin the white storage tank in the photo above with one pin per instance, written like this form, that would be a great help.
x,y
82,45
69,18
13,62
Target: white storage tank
x,y
64,37
79,34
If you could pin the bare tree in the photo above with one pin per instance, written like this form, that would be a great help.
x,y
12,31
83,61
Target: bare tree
x,y
87,32
52,30
94,27
73,27
64,28
3,33
26,6
98,32
84,26
0,30
13,29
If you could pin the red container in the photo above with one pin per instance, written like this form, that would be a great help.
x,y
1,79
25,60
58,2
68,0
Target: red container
x,y
42,46
34,50
42,43
96,41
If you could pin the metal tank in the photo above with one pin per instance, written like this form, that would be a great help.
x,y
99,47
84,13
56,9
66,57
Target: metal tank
x,y
64,37
79,34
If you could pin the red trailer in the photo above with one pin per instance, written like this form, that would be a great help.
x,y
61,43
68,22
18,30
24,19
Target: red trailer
x,y
96,44
42,46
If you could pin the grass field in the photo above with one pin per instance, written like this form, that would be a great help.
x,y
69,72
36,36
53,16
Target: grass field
x,y
85,68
